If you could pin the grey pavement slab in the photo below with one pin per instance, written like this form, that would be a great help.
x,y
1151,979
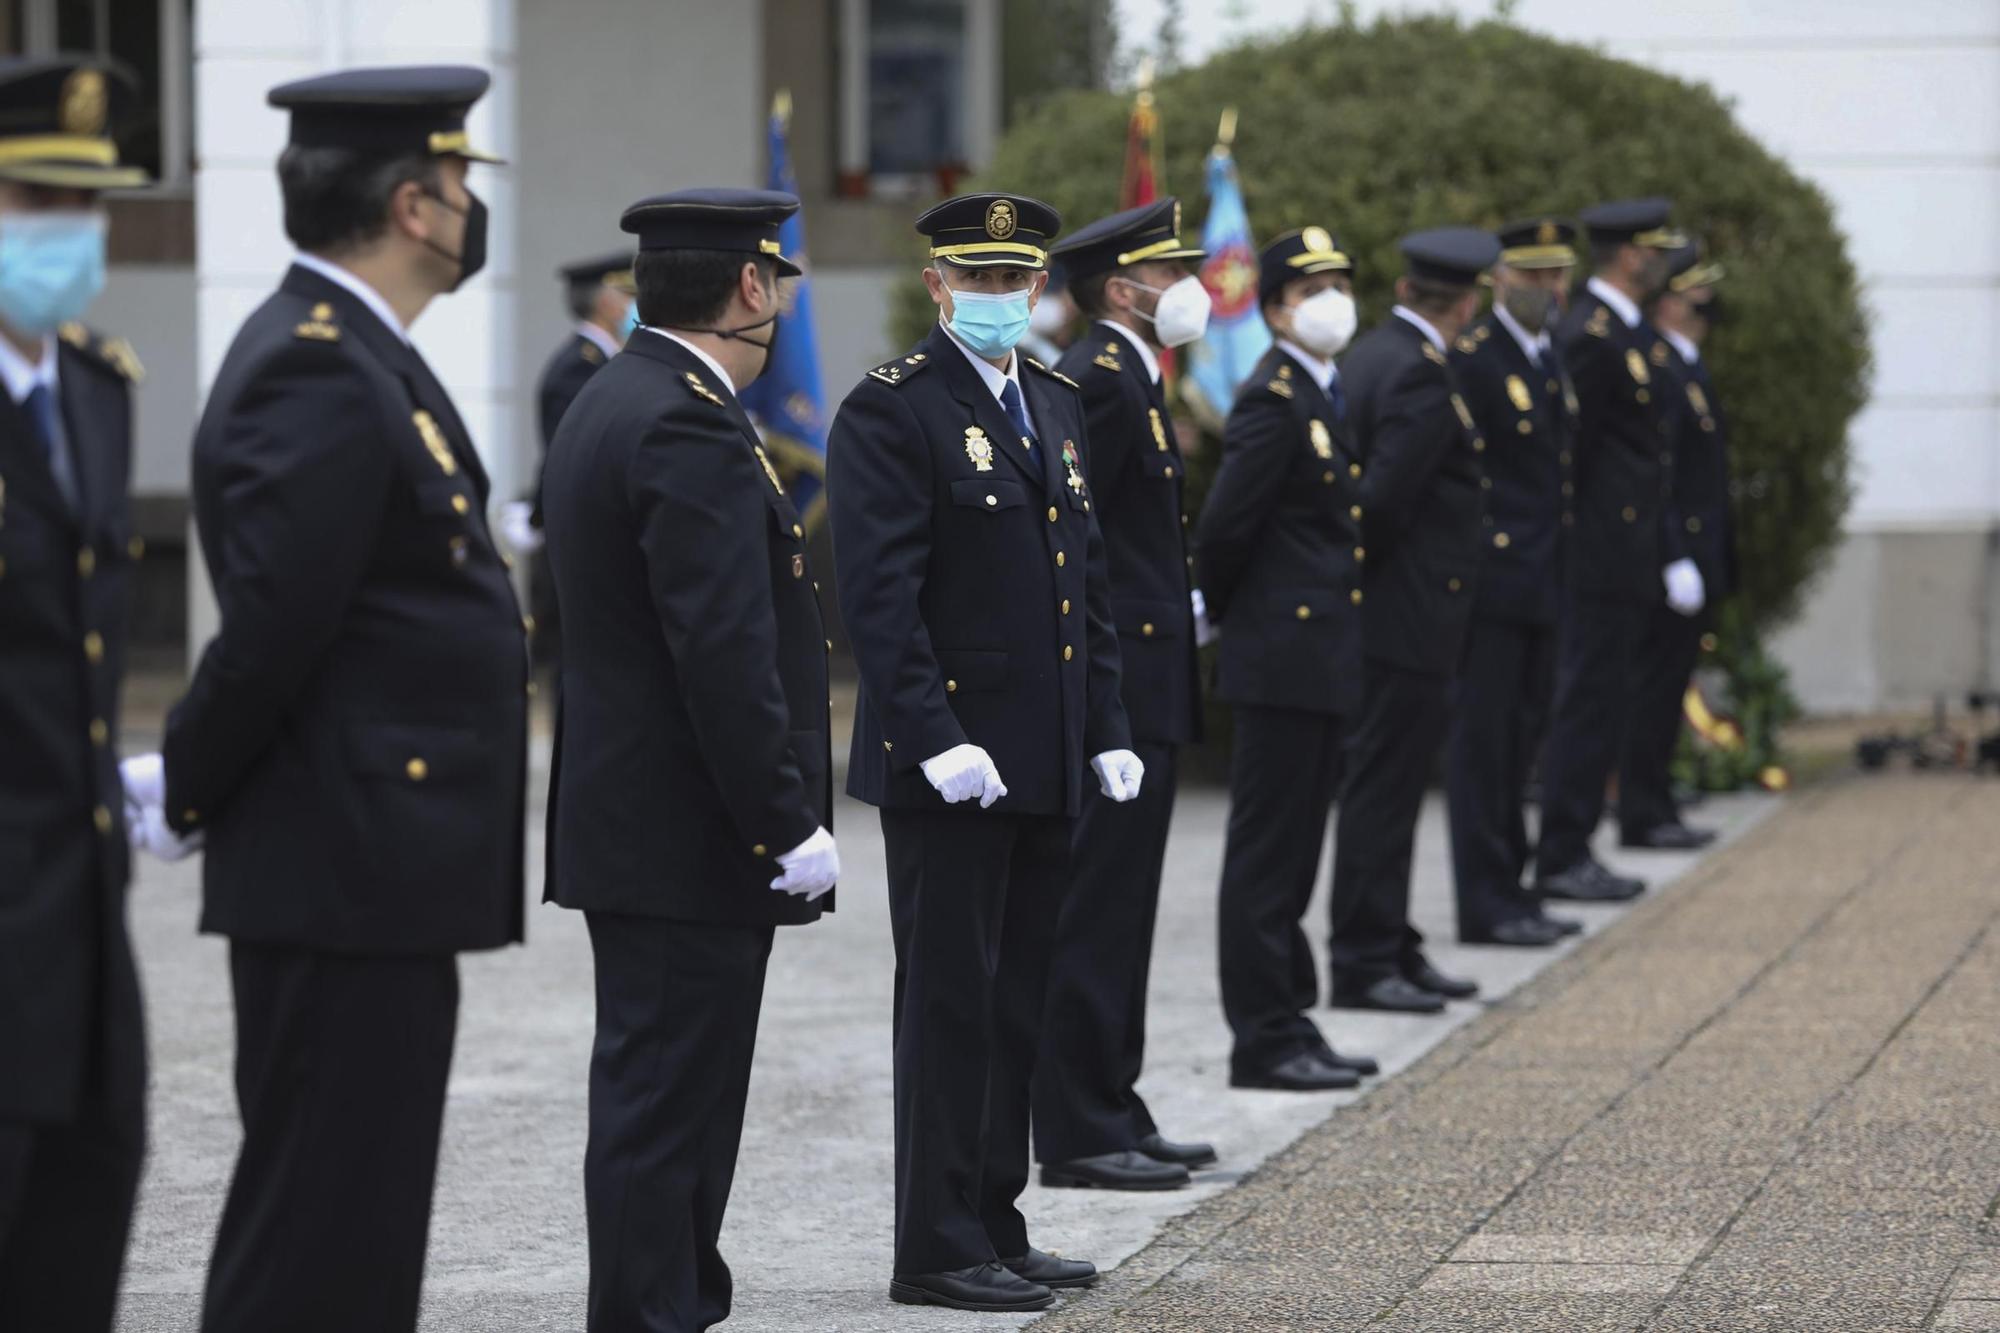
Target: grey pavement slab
x,y
809,1225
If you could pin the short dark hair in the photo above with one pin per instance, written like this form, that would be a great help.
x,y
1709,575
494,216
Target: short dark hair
x,y
1604,251
337,199
689,289
1429,297
581,298
1088,293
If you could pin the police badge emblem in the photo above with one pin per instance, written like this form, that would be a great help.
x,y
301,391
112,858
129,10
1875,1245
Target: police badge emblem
x,y
1517,391
1322,440
979,449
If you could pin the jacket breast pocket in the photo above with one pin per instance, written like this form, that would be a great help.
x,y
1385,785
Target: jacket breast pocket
x,y
1147,619
1159,466
988,493
415,754
444,498
1305,606
972,671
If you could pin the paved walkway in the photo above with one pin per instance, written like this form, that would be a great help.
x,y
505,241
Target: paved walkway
x,y
1770,1099
809,1223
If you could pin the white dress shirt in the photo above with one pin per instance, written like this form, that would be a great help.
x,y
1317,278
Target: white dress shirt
x,y
1626,308
1682,344
996,380
1535,345
706,359
607,344
1323,371
1424,326
363,293
21,375
1145,350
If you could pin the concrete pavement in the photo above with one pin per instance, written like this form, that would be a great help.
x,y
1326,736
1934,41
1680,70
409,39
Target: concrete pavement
x,y
809,1224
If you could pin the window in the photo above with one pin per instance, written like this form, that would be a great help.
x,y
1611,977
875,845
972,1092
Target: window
x,y
920,93
149,36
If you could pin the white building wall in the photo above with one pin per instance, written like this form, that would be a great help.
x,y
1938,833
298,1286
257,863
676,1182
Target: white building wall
x,y
243,48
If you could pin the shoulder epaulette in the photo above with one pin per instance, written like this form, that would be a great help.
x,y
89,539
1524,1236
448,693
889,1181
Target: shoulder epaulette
x,y
591,352
319,327
1431,353
1051,373
1483,332
1599,323
115,353
1108,358
895,372
1467,343
702,391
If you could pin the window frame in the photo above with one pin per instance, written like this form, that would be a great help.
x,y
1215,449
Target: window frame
x,y
980,104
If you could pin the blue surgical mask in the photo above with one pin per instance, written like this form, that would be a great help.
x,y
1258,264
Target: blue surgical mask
x,y
630,324
51,267
990,323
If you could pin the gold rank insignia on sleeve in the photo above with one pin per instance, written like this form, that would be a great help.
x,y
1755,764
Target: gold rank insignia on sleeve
x,y
434,441
320,327
1432,353
1637,365
1322,439
1464,412
769,471
1517,392
701,390
1159,428
979,449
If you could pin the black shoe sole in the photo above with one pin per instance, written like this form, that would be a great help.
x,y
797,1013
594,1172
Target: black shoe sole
x,y
1558,895
1191,1163
902,1293
1064,1180
1488,942
1273,1085
1062,1284
1343,1002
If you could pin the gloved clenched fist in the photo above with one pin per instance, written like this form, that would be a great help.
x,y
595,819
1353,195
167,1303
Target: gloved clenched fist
x,y
1119,773
518,527
811,868
145,780
1685,592
963,772
1205,631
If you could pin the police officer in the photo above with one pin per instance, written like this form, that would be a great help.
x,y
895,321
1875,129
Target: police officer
x,y
353,744
1420,486
1626,543
72,1041
1684,314
1522,405
1131,274
599,296
1280,566
973,586
689,807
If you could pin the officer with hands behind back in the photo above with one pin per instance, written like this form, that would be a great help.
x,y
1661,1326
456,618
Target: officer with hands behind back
x,y
973,587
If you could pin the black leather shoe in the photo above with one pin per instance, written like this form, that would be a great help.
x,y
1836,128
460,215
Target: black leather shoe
x,y
1452,988
1527,932
1052,1272
1564,925
1304,1072
1589,882
1398,995
1364,1065
1123,1170
1674,837
991,1286
1189,1155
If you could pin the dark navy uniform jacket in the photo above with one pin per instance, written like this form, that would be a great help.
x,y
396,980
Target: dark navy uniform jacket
x,y
1280,547
1526,414
692,734
1136,476
1420,457
972,583
354,740
65,592
563,377
1701,479
1626,531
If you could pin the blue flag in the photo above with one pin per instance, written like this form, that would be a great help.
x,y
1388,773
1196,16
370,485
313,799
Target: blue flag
x,y
1236,335
786,401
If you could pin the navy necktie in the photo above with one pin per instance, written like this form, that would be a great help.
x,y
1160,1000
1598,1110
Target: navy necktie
x,y
1010,398
1338,398
40,406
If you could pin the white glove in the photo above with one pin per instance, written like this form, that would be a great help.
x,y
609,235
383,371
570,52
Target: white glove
x,y
963,772
1685,593
145,779
1118,774
1204,632
522,536
810,868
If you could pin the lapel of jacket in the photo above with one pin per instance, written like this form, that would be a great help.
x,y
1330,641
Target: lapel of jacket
x,y
1046,412
28,479
970,390
90,439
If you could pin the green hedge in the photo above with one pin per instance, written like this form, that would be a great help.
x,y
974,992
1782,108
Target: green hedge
x,y
1375,130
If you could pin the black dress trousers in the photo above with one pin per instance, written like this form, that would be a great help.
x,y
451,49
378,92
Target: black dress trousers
x,y
67,1187
1284,769
1404,715
974,898
1669,651
1498,706
1601,638
677,1006
1096,1034
341,1065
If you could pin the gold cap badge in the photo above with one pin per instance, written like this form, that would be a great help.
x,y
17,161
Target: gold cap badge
x,y
84,103
1316,239
1000,220
1547,233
